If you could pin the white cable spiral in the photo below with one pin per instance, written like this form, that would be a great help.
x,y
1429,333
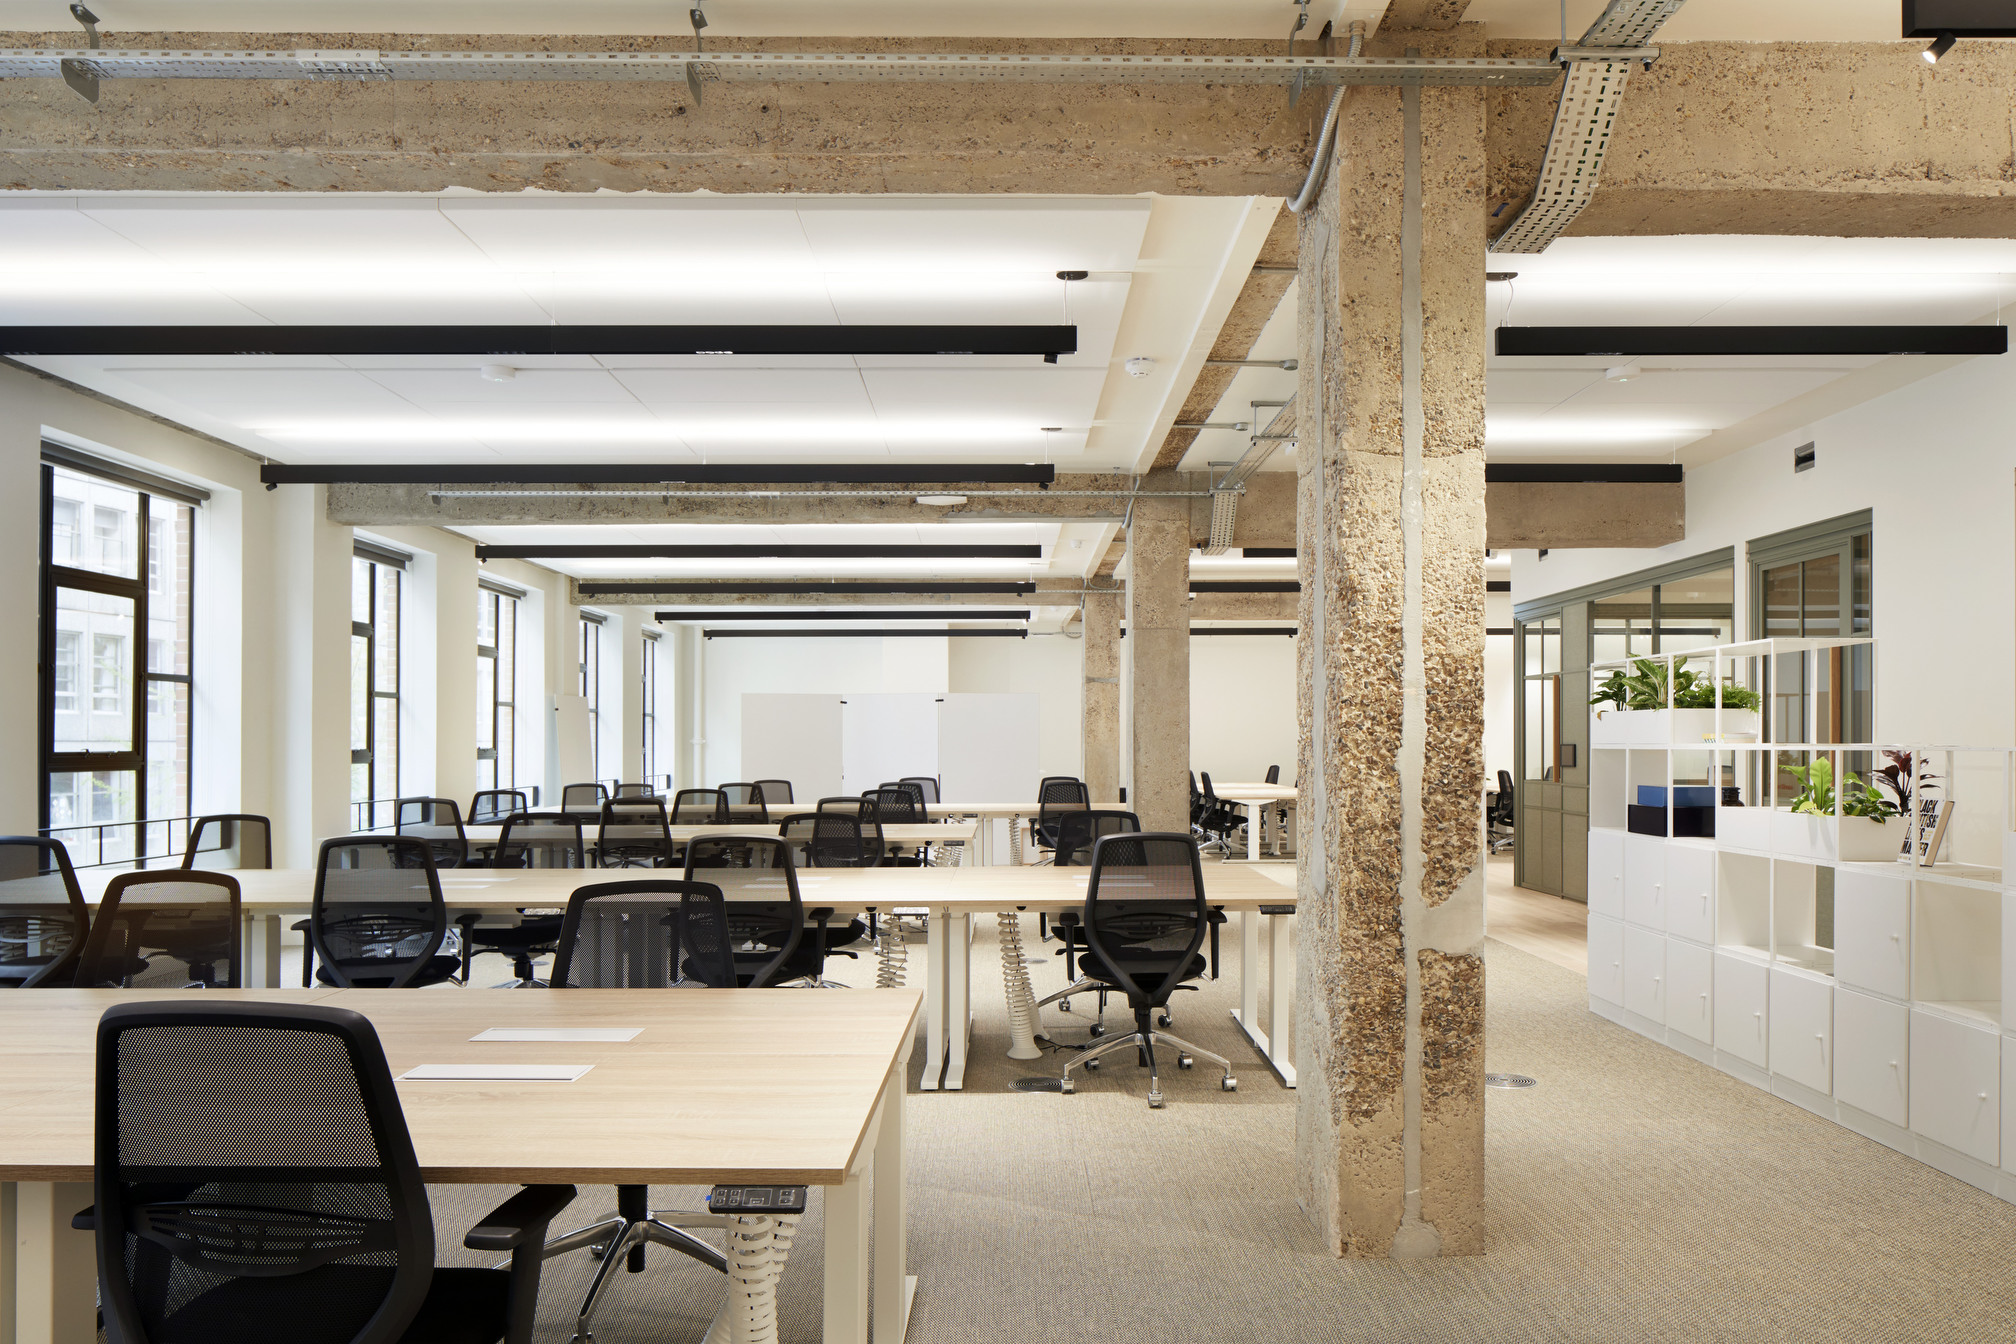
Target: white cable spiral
x,y
1015,983
892,954
1014,838
757,1246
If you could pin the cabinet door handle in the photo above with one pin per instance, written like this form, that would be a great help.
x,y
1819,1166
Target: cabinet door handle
x,y
1983,1096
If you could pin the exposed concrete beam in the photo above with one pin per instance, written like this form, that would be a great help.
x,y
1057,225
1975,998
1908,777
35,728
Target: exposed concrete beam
x,y
1433,14
1560,516
1266,512
1257,300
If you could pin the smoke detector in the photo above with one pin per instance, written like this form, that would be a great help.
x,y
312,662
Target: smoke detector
x,y
1622,373
1140,366
497,373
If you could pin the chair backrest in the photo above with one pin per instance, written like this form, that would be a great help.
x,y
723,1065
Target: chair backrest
x,y
1504,783
1145,914
775,791
909,786
844,803
253,1166
1273,774
163,930
699,807
758,880
43,918
747,804
491,806
837,840
635,791
540,840
237,840
583,797
1210,794
1060,795
1076,832
438,821
378,916
633,834
654,933
896,805
927,785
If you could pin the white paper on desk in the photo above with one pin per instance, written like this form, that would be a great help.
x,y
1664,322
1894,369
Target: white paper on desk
x,y
502,1073
559,1034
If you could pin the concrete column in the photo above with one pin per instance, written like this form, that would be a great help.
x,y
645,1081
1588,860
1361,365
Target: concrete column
x,y
20,609
1101,720
311,664
1158,626
1389,1018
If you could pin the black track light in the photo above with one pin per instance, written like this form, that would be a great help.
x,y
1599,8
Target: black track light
x,y
1940,46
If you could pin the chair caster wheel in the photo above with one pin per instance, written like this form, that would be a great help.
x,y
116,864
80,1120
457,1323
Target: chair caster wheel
x,y
1154,1101
599,1251
1185,1062
1092,1064
1063,1005
1098,1029
1067,1089
1229,1085
1165,1020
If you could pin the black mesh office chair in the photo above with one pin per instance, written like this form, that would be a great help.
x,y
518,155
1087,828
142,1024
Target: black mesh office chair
x,y
842,803
438,821
1056,796
700,807
238,840
657,933
1145,919
746,803
634,791
1220,820
758,875
926,784
43,918
909,786
165,929
775,791
378,921
897,805
491,806
1499,822
834,839
633,835
1077,832
255,1180
528,840
583,798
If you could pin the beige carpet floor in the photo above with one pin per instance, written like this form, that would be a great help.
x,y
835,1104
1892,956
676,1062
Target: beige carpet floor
x,y
1633,1195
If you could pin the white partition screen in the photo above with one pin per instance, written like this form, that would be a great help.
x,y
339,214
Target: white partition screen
x,y
885,737
793,737
987,748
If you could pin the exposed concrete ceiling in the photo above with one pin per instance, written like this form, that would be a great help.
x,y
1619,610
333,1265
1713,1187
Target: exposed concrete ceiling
x,y
1707,20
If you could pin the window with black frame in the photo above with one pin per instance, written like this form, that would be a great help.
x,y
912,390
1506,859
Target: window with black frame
x,y
116,597
496,687
376,577
648,698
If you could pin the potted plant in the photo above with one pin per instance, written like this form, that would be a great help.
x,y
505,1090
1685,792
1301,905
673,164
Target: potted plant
x,y
1858,833
1679,705
1866,836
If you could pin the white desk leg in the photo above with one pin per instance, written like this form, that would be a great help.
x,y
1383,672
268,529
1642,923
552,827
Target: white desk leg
x,y
1249,968
1280,1003
847,1261
1255,819
895,1286
262,951
935,1016
55,1266
958,996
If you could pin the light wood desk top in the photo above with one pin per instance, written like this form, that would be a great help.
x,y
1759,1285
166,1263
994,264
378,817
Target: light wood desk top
x,y
1000,887
1240,793
927,833
724,1085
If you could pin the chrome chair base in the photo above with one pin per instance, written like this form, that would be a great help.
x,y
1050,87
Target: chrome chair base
x,y
1146,1042
618,1239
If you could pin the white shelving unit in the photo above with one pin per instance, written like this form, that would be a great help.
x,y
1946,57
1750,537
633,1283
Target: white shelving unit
x,y
1869,992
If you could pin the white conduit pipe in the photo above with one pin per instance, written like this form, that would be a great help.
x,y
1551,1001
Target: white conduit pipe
x,y
1319,167
1015,983
757,1246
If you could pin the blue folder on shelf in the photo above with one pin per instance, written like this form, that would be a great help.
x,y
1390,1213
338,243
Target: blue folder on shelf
x,y
1684,795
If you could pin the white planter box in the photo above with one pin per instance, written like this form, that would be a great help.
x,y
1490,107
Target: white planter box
x,y
1800,835
1698,725
1658,727
1863,840
1743,827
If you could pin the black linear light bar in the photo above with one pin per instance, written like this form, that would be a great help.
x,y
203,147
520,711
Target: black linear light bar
x,y
919,614
866,634
1249,586
1643,342
757,551
1962,18
1197,631
1268,552
487,341
790,473
1584,473
888,587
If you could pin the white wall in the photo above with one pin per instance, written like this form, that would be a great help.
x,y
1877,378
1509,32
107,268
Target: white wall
x,y
1242,706
1934,463
1050,667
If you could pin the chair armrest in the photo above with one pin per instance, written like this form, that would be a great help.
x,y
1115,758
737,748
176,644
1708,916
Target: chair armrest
x,y
519,1219
86,1221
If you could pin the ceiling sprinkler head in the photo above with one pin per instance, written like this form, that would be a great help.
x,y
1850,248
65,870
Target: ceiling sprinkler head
x,y
497,373
1622,373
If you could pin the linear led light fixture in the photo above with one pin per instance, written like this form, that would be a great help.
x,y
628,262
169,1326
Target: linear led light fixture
x,y
1245,586
884,588
1584,473
550,473
1961,18
856,614
488,341
866,634
1199,631
1640,342
757,551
